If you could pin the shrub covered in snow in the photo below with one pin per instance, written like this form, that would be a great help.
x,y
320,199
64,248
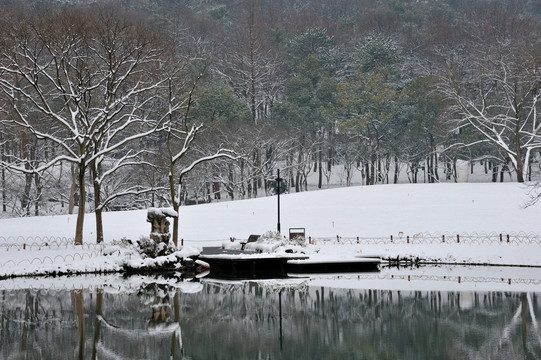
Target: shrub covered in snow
x,y
273,241
153,249
146,254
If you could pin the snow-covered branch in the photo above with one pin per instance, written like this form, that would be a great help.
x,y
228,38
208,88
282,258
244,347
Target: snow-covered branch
x,y
227,153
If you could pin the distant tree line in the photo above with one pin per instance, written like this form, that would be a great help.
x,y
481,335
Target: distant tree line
x,y
126,104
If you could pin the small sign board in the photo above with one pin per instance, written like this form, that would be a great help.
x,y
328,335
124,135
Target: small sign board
x,y
296,232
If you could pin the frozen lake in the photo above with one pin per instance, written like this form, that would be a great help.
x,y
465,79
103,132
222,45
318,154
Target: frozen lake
x,y
399,313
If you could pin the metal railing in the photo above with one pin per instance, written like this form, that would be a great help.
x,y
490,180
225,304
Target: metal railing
x,y
48,245
520,238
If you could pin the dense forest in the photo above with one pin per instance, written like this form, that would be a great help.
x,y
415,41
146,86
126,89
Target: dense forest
x,y
138,103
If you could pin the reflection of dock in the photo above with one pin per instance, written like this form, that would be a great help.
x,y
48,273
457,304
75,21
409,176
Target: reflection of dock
x,y
241,264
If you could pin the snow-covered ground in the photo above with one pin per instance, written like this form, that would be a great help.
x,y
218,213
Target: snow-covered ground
x,y
477,212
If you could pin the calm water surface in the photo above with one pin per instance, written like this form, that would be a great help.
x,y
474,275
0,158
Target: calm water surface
x,y
149,318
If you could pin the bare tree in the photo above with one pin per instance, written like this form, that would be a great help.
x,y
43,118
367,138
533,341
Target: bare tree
x,y
181,136
498,97
251,65
89,75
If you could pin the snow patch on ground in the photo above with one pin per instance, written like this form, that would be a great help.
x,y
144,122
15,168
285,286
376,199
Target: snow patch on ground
x,y
345,213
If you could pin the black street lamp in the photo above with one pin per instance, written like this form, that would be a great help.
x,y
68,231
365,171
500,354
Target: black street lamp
x,y
278,191
279,186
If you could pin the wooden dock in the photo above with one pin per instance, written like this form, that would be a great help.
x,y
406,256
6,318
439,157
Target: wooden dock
x,y
368,264
232,264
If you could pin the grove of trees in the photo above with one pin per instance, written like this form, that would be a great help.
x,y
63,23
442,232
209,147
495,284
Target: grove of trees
x,y
161,103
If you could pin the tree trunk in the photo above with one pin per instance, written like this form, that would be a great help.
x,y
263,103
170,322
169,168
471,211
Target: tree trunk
x,y
372,176
379,170
4,192
435,167
78,309
25,202
448,170
428,168
395,178
99,313
82,205
494,173
436,177
209,192
175,199
367,171
520,164
176,222
290,172
330,153
230,179
524,307
387,167
72,189
252,64
39,188
520,171
98,211
216,190
320,170
298,176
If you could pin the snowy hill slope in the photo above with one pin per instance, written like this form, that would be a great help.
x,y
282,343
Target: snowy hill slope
x,y
364,211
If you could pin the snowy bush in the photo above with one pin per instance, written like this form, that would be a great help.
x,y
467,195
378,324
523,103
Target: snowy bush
x,y
146,254
273,241
298,240
153,249
144,247
270,236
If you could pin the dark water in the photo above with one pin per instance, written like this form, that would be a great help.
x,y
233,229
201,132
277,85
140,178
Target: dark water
x,y
251,320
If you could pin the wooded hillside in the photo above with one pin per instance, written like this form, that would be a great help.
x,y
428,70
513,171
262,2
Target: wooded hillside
x,y
148,103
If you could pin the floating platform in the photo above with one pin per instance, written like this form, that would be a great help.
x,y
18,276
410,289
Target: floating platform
x,y
365,264
234,264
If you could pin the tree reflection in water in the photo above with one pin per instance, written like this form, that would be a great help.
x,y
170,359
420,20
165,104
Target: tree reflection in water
x,y
247,320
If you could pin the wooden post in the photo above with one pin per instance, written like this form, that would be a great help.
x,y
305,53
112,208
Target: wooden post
x,y
501,238
443,238
507,237
408,239
391,238
457,238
